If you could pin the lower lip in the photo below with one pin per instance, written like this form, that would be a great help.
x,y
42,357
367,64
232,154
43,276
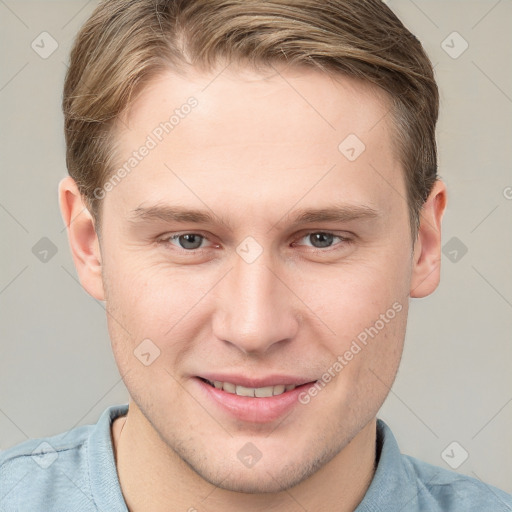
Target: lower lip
x,y
254,410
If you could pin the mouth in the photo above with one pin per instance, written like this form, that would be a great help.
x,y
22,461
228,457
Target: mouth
x,y
260,392
256,405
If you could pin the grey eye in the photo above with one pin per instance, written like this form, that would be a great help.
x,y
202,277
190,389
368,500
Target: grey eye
x,y
189,240
321,240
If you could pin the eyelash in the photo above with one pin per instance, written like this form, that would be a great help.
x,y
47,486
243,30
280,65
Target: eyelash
x,y
166,241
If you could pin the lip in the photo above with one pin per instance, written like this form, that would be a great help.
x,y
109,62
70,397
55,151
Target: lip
x,y
248,409
257,382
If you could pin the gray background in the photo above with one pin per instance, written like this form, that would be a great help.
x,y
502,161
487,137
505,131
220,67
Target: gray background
x,y
455,383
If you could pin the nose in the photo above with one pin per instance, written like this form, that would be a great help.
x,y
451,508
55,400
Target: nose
x,y
255,308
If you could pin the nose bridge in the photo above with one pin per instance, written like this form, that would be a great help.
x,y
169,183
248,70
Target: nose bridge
x,y
256,308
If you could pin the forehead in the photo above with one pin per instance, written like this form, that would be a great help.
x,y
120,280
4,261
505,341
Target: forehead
x,y
286,105
274,137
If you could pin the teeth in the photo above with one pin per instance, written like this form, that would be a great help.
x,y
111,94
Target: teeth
x,y
253,392
278,389
264,392
230,388
243,391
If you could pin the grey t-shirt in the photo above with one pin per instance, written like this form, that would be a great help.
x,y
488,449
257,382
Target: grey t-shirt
x,y
76,471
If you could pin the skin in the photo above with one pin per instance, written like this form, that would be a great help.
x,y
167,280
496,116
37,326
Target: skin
x,y
253,150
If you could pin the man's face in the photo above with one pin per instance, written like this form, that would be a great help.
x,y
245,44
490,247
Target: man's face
x,y
254,295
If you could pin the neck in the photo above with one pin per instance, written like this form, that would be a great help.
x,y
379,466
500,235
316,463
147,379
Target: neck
x,y
153,477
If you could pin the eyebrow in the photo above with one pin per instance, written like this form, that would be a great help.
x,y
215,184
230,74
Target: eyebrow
x,y
179,214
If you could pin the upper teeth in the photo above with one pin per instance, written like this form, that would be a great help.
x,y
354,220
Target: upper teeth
x,y
254,392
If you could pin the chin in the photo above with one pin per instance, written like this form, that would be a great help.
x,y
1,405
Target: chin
x,y
265,477
252,481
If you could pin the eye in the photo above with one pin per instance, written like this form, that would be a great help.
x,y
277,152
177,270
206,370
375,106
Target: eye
x,y
324,239
192,242
186,241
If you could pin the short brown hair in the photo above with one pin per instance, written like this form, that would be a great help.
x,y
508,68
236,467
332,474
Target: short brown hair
x,y
126,43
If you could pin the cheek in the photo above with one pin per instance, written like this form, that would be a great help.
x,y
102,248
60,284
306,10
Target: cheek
x,y
353,296
381,343
147,294
366,306
155,302
367,369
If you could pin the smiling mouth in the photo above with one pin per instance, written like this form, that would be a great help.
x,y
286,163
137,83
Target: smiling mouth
x,y
263,392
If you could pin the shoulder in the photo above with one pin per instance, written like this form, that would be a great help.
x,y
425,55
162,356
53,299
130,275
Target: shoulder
x,y
405,483
453,491
32,471
74,470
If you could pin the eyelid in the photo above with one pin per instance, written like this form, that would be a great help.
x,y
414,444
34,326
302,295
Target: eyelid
x,y
167,237
345,239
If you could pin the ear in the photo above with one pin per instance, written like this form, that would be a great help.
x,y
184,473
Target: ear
x,y
426,264
83,239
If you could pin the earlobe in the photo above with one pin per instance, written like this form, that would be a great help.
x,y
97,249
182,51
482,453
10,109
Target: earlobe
x,y
426,264
83,239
